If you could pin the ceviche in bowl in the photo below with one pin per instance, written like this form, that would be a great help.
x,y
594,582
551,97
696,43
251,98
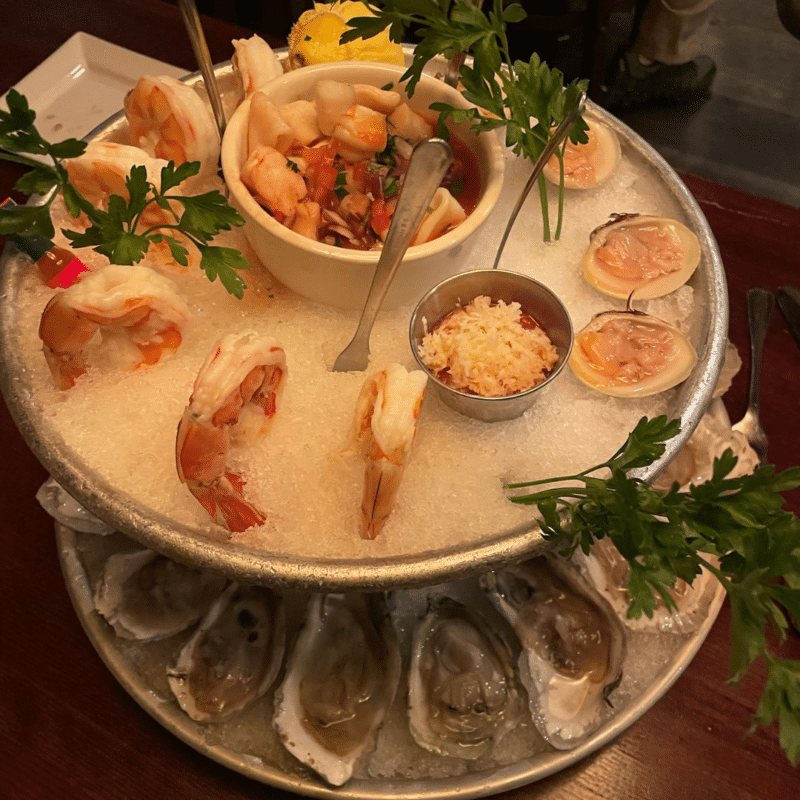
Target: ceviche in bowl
x,y
315,161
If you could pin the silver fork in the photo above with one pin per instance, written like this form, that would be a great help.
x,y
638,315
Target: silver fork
x,y
760,304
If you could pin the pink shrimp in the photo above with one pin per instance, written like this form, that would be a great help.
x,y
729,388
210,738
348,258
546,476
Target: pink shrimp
x,y
138,313
386,423
235,397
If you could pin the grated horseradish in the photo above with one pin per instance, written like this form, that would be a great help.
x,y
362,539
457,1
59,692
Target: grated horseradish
x,y
489,349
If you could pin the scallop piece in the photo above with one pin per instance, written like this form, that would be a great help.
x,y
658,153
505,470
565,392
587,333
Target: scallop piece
x,y
233,657
587,165
463,691
147,596
341,679
640,255
573,645
631,354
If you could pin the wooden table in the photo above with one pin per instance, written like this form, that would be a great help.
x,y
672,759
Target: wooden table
x,y
68,730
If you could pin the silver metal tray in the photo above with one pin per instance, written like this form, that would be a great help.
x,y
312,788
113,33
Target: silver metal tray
x,y
187,544
249,745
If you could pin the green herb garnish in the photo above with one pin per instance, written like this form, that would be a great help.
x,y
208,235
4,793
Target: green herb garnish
x,y
390,188
668,535
528,99
340,184
116,232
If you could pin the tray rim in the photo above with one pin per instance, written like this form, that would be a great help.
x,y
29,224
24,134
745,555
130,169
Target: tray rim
x,y
191,545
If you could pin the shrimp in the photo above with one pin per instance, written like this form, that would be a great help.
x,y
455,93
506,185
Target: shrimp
x,y
266,125
168,119
255,63
274,181
386,423
138,313
235,397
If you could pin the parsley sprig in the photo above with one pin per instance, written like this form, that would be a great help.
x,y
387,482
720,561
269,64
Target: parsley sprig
x,y
528,99
117,232
669,535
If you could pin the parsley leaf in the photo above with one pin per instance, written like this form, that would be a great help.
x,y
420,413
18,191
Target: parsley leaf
x,y
118,232
667,536
528,99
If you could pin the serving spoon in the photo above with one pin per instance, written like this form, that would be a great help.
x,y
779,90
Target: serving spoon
x,y
760,304
427,167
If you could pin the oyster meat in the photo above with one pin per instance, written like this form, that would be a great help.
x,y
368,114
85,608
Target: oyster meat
x,y
463,691
341,679
590,164
640,254
573,645
147,596
631,354
608,572
233,657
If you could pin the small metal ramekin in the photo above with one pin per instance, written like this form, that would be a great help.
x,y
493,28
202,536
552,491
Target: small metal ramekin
x,y
535,300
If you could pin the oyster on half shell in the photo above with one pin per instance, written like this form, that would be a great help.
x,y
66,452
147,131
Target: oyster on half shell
x,y
631,354
640,254
144,595
233,657
463,691
573,645
341,679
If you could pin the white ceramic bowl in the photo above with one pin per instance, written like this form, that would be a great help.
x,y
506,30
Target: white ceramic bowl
x,y
332,275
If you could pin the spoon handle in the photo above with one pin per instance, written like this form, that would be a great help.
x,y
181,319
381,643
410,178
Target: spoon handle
x,y
429,162
191,19
760,304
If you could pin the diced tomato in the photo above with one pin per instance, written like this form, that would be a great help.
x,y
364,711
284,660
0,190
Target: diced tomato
x,y
380,217
326,175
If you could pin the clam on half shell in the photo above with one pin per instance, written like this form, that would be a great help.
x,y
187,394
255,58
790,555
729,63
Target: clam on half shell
x,y
590,164
635,253
631,354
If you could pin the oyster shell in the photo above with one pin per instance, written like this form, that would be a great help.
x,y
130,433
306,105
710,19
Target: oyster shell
x,y
233,657
608,572
463,691
340,681
147,596
64,508
587,165
573,645
631,354
639,254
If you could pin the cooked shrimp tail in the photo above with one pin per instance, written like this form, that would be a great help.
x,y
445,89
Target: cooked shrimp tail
x,y
386,418
137,312
235,397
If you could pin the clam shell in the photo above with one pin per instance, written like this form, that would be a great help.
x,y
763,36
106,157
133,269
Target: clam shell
x,y
629,230
592,163
653,356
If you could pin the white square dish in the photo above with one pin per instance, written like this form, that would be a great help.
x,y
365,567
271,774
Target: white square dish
x,y
83,83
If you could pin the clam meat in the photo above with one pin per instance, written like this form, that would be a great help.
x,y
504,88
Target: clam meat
x,y
463,691
631,354
233,657
147,596
573,645
639,254
341,679
589,164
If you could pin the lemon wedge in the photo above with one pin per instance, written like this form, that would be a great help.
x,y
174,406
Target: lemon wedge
x,y
314,39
